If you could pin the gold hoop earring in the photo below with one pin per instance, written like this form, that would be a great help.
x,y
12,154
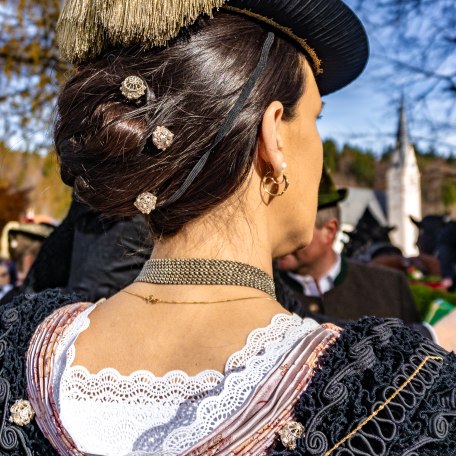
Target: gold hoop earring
x,y
269,179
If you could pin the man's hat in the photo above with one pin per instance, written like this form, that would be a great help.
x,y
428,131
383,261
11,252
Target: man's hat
x,y
328,31
328,194
38,231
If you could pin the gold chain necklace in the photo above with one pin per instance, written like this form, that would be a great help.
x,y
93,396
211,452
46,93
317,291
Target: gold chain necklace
x,y
199,271
151,299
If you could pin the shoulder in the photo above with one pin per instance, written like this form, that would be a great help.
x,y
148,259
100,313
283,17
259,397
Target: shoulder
x,y
46,341
381,389
18,321
30,309
20,318
48,334
371,268
373,271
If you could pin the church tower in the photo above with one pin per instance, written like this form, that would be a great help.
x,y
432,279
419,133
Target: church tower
x,y
403,183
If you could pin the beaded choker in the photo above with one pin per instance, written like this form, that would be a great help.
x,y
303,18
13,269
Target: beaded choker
x,y
197,271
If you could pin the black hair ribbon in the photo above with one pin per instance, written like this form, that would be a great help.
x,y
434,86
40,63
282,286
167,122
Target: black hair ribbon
x,y
228,122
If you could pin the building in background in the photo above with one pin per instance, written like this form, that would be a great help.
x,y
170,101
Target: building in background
x,y
354,206
403,188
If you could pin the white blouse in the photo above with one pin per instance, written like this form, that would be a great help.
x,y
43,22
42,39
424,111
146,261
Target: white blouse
x,y
110,414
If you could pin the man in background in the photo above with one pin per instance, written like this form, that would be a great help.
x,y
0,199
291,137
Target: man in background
x,y
6,277
320,283
90,255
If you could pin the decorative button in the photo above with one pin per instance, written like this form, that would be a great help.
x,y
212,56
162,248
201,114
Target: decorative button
x,y
133,87
162,137
22,413
145,202
314,307
290,433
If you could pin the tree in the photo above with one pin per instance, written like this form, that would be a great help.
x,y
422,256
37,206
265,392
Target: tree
x,y
13,204
448,193
413,42
361,164
29,180
31,69
414,53
330,153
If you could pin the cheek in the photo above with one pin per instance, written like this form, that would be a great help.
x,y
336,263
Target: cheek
x,y
314,163
315,147
307,150
307,169
304,157
306,255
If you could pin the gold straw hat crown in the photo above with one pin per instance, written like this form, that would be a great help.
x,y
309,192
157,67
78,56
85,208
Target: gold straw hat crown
x,y
86,27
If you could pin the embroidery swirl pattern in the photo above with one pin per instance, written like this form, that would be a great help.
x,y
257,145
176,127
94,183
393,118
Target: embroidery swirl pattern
x,y
382,390
18,321
11,437
382,355
385,404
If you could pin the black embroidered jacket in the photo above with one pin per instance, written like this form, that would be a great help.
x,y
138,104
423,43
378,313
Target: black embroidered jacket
x,y
383,389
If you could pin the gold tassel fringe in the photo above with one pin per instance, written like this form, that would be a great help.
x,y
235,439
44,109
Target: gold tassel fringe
x,y
86,27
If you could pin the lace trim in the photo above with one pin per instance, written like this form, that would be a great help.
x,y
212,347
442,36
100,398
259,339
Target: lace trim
x,y
257,341
238,386
124,408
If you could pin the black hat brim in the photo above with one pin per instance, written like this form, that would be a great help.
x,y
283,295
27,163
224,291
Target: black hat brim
x,y
329,27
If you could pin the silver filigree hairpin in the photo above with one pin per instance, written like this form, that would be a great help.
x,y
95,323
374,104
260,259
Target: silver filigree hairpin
x,y
162,137
133,87
145,202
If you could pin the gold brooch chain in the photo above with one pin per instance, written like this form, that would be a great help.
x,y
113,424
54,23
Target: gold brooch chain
x,y
382,406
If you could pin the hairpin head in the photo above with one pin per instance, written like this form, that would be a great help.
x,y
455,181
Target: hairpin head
x,y
145,202
162,138
133,87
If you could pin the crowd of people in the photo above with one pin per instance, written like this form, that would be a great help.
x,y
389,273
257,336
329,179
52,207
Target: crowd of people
x,y
96,257
7,277
191,302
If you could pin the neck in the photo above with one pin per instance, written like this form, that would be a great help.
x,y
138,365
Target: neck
x,y
320,268
226,235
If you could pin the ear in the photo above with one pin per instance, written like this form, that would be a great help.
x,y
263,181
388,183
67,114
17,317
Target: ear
x,y
331,228
270,141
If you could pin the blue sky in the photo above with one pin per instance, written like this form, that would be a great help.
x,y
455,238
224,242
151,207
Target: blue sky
x,y
357,114
366,112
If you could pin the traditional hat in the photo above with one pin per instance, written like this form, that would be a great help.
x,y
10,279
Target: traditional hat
x,y
328,194
39,231
329,33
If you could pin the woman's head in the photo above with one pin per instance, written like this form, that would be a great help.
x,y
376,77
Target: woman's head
x,y
105,141
297,143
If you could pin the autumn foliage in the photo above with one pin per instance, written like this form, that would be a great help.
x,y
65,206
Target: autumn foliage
x,y
30,182
30,67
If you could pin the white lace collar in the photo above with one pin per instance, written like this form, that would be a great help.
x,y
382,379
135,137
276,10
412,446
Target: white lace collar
x,y
112,414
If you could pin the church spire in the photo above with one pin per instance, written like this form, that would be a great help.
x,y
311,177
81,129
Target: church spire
x,y
404,189
403,141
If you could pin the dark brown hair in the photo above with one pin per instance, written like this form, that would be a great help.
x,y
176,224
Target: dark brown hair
x,y
105,143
